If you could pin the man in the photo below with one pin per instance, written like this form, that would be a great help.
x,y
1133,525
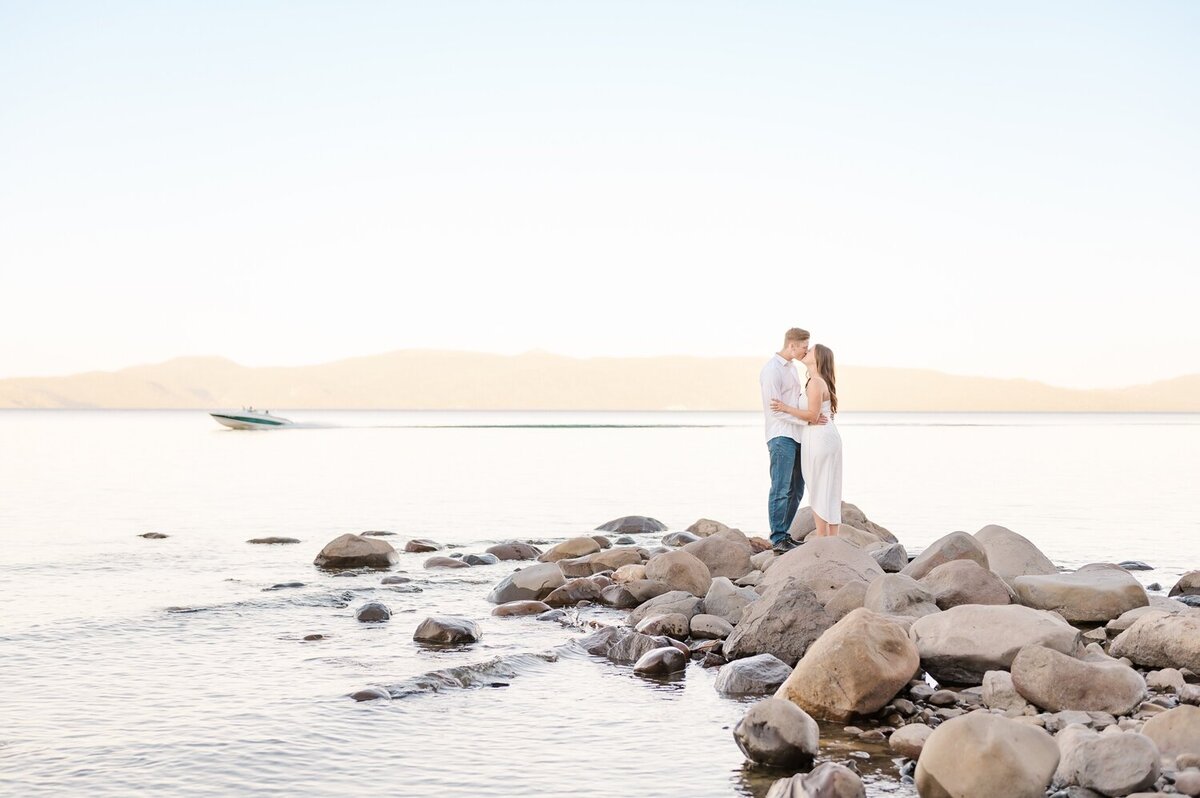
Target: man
x,y
779,381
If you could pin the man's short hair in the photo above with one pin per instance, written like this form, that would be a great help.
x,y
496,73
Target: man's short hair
x,y
794,334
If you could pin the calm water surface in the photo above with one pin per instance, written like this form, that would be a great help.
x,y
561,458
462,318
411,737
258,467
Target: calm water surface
x,y
169,667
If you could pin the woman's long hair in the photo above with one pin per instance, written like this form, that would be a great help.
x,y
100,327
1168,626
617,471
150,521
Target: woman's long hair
x,y
826,370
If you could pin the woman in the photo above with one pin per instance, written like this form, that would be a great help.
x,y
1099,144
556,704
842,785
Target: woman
x,y
821,446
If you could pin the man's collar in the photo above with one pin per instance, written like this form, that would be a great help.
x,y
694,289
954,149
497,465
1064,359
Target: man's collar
x,y
781,360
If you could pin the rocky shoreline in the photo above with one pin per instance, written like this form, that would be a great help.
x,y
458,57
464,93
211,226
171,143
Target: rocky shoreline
x,y
982,667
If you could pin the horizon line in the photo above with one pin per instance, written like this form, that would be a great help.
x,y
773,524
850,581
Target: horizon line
x,y
548,353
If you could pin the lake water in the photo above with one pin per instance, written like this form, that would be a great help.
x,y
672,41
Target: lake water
x,y
166,667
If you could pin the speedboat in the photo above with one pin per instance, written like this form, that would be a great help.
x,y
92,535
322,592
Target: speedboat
x,y
249,418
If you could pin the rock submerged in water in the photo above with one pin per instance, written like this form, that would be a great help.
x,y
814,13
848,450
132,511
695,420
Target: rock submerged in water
x,y
661,662
481,559
632,525
827,780
520,608
354,551
447,630
757,675
778,733
153,536
272,541
422,546
445,562
373,612
534,583
1188,585
371,694
514,550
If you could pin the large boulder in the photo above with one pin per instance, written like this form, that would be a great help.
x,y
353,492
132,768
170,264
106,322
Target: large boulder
x,y
961,644
757,675
726,600
528,584
570,549
827,780
972,755
1011,555
1161,641
804,523
680,570
897,594
855,668
1188,585
1176,732
632,525
778,733
823,565
964,582
955,546
355,551
723,553
1057,682
1095,593
674,601
1110,764
784,622
859,537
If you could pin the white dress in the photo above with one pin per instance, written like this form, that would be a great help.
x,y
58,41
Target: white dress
x,y
821,464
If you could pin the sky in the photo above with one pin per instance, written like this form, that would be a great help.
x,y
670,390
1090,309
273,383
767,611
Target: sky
x,y
1005,189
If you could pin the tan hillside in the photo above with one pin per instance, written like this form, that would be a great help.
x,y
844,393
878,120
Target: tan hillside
x,y
418,379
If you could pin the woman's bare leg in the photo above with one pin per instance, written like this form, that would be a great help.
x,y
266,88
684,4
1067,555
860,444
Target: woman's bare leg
x,y
822,526
833,529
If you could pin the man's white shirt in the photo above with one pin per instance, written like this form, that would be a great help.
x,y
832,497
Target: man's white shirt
x,y
779,380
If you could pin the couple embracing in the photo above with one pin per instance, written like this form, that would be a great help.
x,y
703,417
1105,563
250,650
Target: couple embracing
x,y
803,441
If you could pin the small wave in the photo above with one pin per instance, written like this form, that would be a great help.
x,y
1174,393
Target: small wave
x,y
489,673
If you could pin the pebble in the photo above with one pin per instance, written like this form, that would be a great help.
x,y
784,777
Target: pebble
x,y
905,707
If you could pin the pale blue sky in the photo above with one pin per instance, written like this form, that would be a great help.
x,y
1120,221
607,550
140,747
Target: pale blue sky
x,y
1007,189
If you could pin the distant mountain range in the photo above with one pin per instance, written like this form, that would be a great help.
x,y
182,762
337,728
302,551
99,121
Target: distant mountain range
x,y
435,380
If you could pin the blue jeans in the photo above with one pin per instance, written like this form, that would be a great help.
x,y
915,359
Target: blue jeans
x,y
787,486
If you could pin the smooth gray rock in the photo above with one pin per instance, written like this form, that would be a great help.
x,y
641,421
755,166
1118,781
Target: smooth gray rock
x,y
827,780
778,733
892,557
534,583
661,662
973,754
373,612
758,675
897,594
674,601
632,525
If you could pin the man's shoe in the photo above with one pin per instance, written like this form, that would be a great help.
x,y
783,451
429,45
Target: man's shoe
x,y
784,546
